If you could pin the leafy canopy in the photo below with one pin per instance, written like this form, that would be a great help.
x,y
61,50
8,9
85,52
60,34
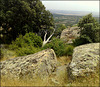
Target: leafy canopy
x,y
22,16
89,30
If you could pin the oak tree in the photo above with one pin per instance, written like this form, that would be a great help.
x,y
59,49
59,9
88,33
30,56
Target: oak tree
x,y
23,16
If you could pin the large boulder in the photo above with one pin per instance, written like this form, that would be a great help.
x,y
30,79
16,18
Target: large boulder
x,y
85,60
40,64
69,34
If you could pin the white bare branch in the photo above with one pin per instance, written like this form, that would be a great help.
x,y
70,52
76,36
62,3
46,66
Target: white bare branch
x,y
45,36
46,41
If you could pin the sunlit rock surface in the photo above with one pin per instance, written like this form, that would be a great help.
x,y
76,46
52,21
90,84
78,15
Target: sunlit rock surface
x,y
69,34
85,59
40,64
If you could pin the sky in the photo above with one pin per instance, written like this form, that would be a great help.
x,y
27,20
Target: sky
x,y
91,6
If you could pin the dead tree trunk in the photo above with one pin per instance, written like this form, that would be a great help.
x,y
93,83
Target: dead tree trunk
x,y
46,41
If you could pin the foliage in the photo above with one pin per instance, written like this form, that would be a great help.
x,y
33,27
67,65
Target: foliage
x,y
87,19
89,30
59,29
81,40
26,50
69,50
27,40
22,16
60,47
27,44
67,20
57,45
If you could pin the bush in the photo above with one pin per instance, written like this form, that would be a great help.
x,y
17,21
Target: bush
x,y
89,30
27,44
32,39
26,50
69,50
57,45
60,47
26,40
81,40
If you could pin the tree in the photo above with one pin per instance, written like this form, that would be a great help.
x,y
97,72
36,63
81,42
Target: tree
x,y
23,16
89,29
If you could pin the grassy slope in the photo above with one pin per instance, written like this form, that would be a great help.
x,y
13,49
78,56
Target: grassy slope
x,y
7,54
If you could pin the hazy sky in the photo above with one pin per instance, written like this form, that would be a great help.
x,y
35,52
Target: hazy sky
x,y
92,6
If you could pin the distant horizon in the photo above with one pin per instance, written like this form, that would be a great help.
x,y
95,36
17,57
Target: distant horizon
x,y
73,10
73,13
87,6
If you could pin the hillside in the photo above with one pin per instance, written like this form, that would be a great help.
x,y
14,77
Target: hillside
x,y
45,69
68,20
41,47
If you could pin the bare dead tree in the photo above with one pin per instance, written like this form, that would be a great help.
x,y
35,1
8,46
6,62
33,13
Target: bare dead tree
x,y
47,40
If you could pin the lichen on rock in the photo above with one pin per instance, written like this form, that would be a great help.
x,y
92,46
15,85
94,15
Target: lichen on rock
x,y
40,64
85,59
69,34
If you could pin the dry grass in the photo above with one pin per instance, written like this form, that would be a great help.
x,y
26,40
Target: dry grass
x,y
64,60
7,54
6,81
91,80
5,58
60,80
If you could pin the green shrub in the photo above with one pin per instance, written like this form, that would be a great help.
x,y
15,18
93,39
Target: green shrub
x,y
27,44
69,50
26,50
89,30
26,40
32,39
57,45
19,42
81,40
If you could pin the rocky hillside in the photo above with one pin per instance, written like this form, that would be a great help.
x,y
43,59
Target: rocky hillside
x,y
69,34
44,64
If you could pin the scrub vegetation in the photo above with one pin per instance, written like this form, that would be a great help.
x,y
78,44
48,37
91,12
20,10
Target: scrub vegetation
x,y
23,25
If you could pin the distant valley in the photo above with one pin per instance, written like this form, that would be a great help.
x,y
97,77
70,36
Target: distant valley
x,y
76,13
69,18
